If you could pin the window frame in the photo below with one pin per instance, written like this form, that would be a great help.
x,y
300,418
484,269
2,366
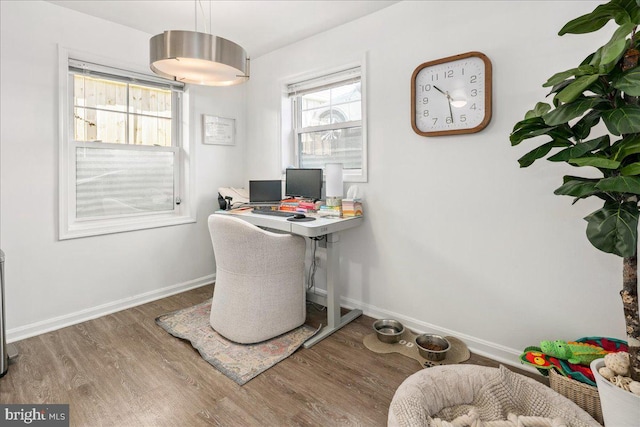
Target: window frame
x,y
70,226
290,129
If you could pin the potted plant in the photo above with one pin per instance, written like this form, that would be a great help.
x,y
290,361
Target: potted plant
x,y
605,88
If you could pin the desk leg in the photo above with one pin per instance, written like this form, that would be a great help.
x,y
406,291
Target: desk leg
x,y
334,320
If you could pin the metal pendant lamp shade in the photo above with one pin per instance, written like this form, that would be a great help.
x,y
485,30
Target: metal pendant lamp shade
x,y
198,58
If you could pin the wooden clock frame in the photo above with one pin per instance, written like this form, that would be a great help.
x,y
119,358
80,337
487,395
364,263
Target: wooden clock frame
x,y
488,75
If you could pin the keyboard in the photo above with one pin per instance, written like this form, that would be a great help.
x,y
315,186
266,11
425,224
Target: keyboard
x,y
273,213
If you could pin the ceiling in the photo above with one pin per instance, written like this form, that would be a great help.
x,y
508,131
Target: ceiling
x,y
258,26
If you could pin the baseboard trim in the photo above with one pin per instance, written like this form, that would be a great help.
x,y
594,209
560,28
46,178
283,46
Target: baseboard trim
x,y
48,325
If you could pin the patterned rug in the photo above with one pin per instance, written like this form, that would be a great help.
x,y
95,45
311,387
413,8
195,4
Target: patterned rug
x,y
240,362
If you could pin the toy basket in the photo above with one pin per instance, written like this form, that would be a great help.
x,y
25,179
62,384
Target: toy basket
x,y
583,395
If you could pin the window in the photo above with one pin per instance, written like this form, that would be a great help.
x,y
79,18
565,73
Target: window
x,y
123,165
328,122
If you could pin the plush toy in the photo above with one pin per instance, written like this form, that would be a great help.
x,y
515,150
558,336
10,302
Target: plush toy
x,y
535,357
574,352
544,362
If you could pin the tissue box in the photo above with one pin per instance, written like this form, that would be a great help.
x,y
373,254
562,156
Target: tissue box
x,y
351,207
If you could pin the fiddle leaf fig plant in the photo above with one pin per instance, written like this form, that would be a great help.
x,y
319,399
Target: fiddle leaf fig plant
x,y
599,96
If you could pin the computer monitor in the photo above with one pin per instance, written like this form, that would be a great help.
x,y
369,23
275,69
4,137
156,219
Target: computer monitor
x,y
305,183
265,191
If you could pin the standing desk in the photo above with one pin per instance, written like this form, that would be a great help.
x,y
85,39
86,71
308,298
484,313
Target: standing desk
x,y
329,227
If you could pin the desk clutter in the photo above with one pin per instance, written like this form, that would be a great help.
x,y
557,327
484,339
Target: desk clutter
x,y
346,209
302,194
237,199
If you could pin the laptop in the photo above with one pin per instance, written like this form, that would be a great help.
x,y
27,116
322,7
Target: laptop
x,y
265,192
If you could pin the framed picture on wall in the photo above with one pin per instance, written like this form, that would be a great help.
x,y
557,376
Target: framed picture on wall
x,y
218,130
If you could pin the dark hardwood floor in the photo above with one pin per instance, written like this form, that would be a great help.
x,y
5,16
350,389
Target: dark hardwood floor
x,y
124,370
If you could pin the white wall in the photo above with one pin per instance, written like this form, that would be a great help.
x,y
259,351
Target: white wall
x,y
51,283
458,239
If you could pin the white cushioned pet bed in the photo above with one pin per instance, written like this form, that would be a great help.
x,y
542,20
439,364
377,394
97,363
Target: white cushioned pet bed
x,y
479,396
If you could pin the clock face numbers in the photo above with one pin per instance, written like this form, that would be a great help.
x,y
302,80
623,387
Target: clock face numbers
x,y
450,96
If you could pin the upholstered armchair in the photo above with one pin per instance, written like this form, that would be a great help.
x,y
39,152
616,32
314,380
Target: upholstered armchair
x,y
259,291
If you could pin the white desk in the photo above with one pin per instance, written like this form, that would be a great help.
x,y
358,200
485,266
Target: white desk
x,y
329,227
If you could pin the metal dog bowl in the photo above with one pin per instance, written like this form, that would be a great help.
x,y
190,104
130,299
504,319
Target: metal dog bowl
x,y
432,347
388,330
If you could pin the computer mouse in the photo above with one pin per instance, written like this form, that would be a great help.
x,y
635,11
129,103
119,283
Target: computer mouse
x,y
299,216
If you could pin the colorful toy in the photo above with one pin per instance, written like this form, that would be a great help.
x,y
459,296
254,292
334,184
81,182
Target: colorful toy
x,y
574,352
586,348
611,345
533,356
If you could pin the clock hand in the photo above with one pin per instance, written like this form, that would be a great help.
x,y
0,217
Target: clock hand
x,y
448,99
440,90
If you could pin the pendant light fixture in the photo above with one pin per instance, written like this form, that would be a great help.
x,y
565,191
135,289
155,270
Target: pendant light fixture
x,y
198,58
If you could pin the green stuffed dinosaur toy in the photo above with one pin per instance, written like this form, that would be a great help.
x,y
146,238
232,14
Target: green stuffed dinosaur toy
x,y
574,352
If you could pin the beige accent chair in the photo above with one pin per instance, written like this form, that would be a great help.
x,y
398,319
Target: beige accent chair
x,y
259,291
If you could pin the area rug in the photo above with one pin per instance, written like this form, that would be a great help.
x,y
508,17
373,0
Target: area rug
x,y
240,362
458,352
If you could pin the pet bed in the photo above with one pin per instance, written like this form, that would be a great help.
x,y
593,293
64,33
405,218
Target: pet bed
x,y
471,395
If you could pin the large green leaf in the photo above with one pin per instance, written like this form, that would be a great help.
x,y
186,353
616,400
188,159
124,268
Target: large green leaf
x,y
562,135
614,228
629,82
528,128
596,162
575,89
631,170
627,146
539,152
605,65
582,129
539,110
560,77
584,24
582,70
632,7
602,86
595,20
577,187
620,184
603,69
567,112
616,46
623,120
557,88
580,149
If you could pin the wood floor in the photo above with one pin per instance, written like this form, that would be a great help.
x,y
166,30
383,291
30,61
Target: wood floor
x,y
124,370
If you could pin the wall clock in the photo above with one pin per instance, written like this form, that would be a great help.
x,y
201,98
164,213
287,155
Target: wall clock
x,y
451,95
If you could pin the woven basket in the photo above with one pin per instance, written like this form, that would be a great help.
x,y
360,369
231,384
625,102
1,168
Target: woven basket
x,y
584,395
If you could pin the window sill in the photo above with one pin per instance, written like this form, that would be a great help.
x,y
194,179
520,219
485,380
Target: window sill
x,y
100,227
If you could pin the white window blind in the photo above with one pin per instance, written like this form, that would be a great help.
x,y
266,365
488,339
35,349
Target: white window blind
x,y
339,78
113,182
